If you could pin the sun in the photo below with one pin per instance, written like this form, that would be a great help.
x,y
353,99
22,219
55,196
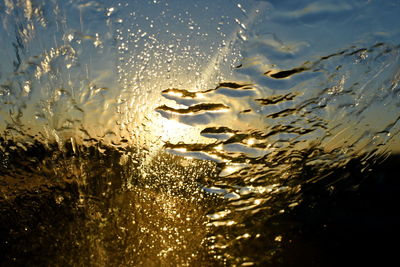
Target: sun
x,y
173,131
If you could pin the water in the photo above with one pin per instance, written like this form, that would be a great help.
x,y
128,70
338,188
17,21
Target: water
x,y
238,133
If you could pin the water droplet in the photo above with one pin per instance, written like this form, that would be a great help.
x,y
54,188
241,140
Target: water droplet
x,y
70,37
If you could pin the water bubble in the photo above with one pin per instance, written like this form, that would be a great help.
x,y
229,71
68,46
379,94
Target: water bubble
x,y
110,11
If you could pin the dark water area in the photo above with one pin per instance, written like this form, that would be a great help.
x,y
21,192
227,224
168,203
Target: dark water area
x,y
95,220
99,222
207,133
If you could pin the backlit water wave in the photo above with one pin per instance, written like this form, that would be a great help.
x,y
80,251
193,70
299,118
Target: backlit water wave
x,y
270,142
171,133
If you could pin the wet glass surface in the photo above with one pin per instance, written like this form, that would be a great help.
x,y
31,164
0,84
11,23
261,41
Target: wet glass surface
x,y
206,133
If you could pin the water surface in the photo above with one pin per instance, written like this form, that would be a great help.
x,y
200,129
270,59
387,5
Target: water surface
x,y
213,133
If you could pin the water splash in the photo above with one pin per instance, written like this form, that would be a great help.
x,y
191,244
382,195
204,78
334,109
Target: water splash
x,y
178,133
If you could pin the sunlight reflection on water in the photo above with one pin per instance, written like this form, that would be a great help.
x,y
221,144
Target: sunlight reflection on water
x,y
181,133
